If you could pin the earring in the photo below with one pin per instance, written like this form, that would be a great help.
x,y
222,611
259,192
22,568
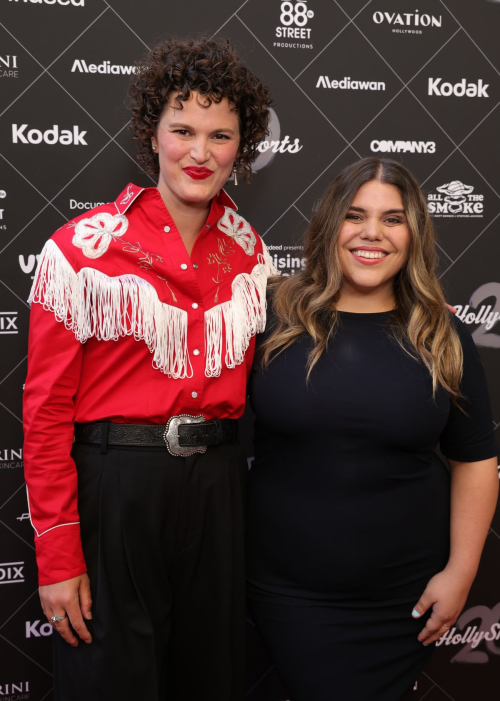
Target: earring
x,y
235,174
155,148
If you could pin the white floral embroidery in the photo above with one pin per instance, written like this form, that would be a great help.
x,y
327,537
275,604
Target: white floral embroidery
x,y
94,235
128,196
238,229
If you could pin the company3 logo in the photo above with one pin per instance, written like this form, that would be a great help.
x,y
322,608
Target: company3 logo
x,y
274,144
11,572
455,199
294,17
49,136
459,89
403,146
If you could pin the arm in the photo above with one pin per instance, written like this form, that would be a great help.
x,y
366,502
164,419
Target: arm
x,y
474,491
54,363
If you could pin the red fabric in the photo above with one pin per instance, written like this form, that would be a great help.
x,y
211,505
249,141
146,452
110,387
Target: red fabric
x,y
115,380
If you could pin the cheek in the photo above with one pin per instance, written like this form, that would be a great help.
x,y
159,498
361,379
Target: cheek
x,y
225,156
171,149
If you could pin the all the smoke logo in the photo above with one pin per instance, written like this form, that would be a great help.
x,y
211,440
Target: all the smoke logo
x,y
8,323
294,18
455,199
408,22
11,573
274,143
8,67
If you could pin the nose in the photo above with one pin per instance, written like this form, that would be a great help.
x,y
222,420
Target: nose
x,y
200,151
372,230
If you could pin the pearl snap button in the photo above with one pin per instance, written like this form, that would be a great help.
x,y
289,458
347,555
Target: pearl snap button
x,y
194,305
194,394
166,229
196,351
184,266
195,266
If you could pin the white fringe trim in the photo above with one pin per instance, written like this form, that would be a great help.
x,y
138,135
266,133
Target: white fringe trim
x,y
244,315
91,303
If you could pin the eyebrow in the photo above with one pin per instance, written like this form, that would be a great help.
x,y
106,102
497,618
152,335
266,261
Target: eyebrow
x,y
387,211
180,125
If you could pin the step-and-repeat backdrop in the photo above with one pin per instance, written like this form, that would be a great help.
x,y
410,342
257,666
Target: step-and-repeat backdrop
x,y
415,81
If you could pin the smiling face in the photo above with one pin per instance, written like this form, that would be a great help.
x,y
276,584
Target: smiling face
x,y
373,244
197,146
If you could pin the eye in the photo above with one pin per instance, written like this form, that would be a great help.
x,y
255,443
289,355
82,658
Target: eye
x,y
394,220
221,137
352,216
181,132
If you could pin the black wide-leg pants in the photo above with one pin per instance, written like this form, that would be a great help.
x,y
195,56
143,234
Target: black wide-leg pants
x,y
163,541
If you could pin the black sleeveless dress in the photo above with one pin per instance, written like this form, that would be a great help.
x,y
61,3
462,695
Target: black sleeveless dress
x,y
349,507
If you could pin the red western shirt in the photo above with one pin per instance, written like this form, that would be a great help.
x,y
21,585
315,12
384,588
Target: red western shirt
x,y
126,327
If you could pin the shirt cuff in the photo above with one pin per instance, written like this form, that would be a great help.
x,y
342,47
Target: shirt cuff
x,y
59,554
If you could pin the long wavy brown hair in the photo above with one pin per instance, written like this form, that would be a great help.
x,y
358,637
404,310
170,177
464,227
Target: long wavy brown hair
x,y
305,303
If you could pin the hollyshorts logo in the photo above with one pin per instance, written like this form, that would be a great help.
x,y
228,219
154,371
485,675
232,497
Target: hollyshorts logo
x,y
8,67
56,135
106,67
294,18
289,263
478,627
348,84
461,88
35,630
455,199
483,310
8,323
403,146
10,458
408,22
274,144
11,573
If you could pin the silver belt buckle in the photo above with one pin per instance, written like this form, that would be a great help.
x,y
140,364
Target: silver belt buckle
x,y
171,435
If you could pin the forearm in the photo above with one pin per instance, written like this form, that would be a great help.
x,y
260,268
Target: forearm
x,y
474,491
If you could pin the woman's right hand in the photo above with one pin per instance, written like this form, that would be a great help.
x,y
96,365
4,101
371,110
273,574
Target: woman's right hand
x,y
71,597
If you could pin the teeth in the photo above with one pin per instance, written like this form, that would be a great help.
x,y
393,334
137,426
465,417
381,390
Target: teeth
x,y
370,254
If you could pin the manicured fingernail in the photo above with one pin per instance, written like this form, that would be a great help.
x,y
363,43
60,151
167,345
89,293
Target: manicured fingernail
x,y
415,613
425,644
88,616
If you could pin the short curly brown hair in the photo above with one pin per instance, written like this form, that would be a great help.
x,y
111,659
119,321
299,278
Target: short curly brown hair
x,y
209,66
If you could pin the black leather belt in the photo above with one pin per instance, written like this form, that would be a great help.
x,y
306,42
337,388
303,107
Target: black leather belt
x,y
183,435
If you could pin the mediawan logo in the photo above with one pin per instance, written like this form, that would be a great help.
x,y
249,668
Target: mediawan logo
x,y
455,199
407,22
348,84
56,135
8,67
106,67
403,146
294,18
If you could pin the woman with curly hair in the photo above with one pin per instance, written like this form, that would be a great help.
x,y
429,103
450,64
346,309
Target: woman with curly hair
x,y
362,545
142,335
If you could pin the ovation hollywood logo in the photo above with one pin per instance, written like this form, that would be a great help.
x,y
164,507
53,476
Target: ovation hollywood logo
x,y
294,18
407,22
455,199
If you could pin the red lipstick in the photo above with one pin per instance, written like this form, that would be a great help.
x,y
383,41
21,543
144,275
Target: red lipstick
x,y
198,173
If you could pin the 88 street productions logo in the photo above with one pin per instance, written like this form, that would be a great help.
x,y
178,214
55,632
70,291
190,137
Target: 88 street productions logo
x,y
455,199
408,22
294,18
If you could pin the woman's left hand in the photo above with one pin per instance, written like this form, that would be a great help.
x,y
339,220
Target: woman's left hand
x,y
446,593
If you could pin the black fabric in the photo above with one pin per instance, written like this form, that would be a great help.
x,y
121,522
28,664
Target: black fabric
x,y
349,507
163,542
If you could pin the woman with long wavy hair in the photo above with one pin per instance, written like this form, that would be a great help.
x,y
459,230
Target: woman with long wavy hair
x,y
362,544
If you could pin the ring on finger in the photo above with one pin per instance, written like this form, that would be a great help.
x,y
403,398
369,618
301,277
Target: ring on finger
x,y
58,619
446,625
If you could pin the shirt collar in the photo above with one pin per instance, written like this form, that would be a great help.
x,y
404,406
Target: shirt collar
x,y
132,192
